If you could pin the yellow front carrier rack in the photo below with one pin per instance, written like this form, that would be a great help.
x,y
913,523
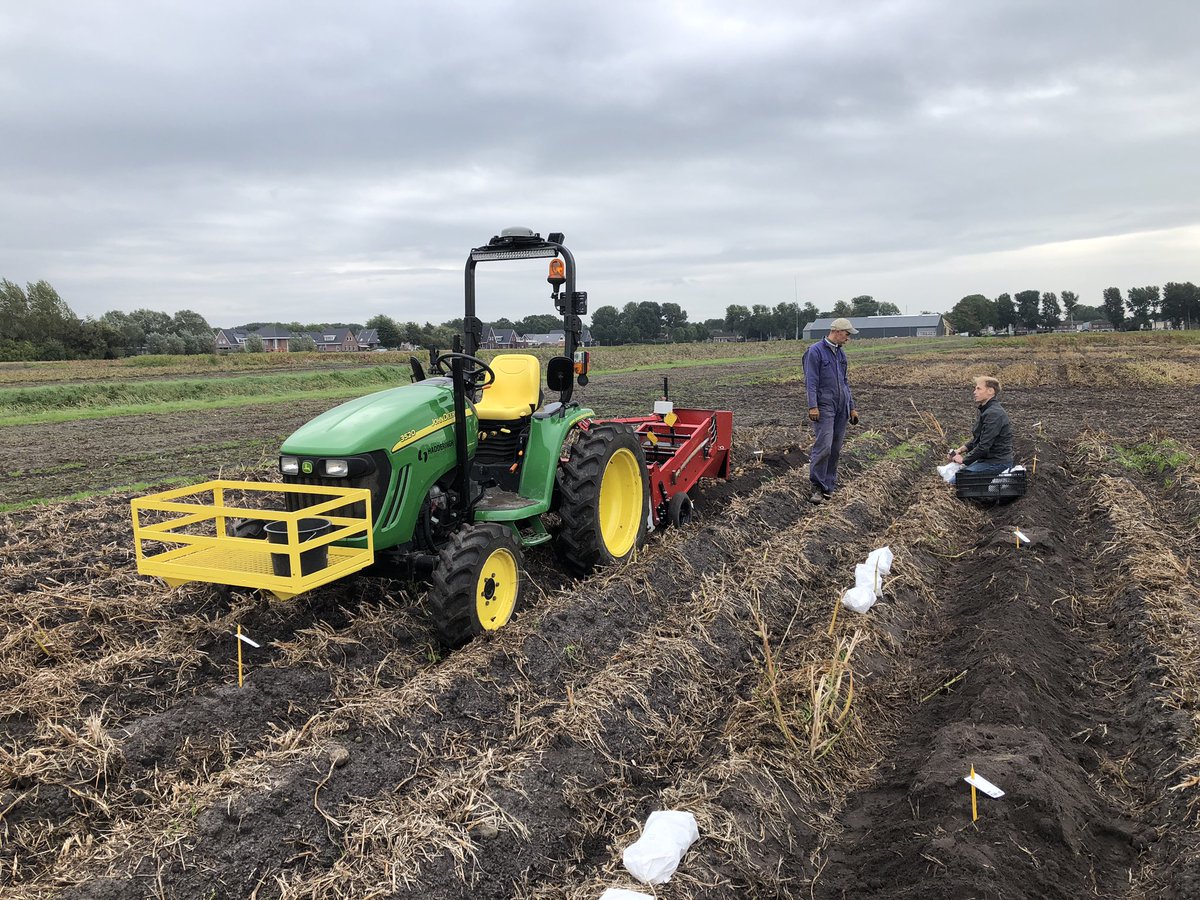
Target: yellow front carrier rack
x,y
182,535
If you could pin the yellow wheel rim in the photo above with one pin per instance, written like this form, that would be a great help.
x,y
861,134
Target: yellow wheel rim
x,y
621,502
496,590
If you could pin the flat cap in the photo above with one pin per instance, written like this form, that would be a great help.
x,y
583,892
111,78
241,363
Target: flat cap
x,y
842,325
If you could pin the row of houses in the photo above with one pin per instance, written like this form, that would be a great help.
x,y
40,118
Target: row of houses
x,y
343,340
278,340
508,339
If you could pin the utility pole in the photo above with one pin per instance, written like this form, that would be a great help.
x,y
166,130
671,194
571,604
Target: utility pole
x,y
796,302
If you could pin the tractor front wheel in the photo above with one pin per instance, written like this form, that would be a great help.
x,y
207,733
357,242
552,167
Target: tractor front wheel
x,y
602,491
477,583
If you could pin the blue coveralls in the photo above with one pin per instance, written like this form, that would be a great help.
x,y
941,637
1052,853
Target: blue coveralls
x,y
829,391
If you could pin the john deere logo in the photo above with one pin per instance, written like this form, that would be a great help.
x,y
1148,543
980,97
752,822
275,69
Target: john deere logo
x,y
306,467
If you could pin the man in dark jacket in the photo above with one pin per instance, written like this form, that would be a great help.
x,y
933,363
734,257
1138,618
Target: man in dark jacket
x,y
830,406
990,450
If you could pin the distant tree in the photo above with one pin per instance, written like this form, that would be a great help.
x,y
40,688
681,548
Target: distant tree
x,y
715,324
302,343
1028,308
14,312
1114,307
499,323
1143,301
629,333
152,322
865,305
1006,312
972,314
129,334
673,317
388,330
1085,313
647,317
176,345
541,323
196,343
1051,315
888,309
701,331
842,308
758,326
1070,300
156,343
254,343
606,324
1181,303
737,318
188,321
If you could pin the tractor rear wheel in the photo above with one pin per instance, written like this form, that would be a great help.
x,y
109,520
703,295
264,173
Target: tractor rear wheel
x,y
477,583
602,491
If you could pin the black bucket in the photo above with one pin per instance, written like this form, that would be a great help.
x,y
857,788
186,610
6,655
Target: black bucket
x,y
313,560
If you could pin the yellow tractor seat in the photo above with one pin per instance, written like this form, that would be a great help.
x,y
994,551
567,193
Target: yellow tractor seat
x,y
516,391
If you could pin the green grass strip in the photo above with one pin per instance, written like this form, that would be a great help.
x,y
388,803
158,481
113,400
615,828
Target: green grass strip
x,y
179,406
62,403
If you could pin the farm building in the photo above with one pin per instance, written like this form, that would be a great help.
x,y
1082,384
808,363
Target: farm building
x,y
930,325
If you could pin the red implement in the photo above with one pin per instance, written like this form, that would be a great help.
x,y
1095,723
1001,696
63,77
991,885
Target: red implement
x,y
681,447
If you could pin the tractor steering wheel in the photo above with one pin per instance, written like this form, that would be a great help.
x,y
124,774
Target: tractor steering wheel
x,y
477,375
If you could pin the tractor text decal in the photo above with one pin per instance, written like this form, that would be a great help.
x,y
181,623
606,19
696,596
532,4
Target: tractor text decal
x,y
426,452
440,422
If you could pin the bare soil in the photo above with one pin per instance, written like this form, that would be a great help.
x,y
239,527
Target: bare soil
x,y
357,761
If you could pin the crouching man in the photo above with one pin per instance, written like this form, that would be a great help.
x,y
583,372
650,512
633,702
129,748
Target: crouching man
x,y
990,450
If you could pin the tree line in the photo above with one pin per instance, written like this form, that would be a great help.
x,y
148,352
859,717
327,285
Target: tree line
x,y
1138,308
649,322
36,323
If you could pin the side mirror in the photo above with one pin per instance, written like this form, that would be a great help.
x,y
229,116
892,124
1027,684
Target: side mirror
x,y
559,372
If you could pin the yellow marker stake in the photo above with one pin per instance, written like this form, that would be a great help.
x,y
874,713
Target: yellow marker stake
x,y
974,807
239,643
1034,472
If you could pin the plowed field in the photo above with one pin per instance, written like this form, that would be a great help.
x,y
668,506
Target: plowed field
x,y
357,761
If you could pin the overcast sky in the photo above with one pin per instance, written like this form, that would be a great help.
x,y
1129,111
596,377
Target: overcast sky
x,y
325,161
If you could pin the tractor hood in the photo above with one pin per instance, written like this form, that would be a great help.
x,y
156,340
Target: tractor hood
x,y
378,421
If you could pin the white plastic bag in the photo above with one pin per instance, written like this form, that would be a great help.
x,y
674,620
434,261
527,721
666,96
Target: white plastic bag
x,y
859,599
881,559
948,471
622,894
653,858
867,575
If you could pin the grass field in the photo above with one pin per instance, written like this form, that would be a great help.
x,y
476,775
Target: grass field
x,y
33,393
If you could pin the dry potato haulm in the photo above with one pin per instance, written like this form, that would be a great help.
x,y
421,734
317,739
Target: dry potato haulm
x,y
358,759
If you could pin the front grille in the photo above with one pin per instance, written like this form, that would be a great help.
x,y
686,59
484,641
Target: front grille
x,y
376,483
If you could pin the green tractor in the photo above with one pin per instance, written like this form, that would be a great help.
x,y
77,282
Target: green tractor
x,y
463,463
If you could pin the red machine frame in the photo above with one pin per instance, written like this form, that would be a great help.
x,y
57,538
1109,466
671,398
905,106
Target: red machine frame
x,y
694,446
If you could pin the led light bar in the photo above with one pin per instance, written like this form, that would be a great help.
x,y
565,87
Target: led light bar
x,y
533,253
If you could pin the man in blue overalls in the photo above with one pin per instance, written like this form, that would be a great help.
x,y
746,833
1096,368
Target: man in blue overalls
x,y
830,406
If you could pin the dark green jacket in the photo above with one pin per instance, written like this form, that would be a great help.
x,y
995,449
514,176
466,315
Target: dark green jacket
x,y
992,437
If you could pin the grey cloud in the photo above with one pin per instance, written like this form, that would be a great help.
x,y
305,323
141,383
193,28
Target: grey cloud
x,y
255,157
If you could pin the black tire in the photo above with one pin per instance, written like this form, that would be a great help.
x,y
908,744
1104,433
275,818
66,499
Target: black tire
x,y
606,450
679,510
481,565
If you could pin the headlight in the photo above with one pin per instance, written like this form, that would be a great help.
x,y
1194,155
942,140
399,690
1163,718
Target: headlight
x,y
289,465
337,468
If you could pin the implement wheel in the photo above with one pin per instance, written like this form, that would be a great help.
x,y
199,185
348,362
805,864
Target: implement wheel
x,y
602,490
477,584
